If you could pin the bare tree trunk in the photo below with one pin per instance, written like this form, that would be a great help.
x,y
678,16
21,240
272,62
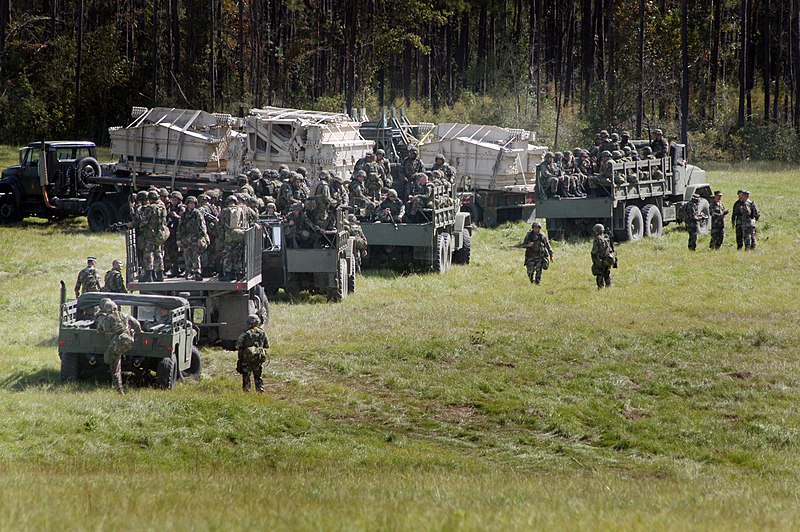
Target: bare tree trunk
x,y
767,67
716,31
587,51
685,72
5,19
79,58
742,62
241,50
640,95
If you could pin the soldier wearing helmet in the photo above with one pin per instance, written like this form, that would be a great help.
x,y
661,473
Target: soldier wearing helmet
x,y
175,209
251,346
440,163
193,238
625,140
232,229
538,252
383,163
659,145
391,209
601,184
153,233
120,329
603,257
551,175
410,165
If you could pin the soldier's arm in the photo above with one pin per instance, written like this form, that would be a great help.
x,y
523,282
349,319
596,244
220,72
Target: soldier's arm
x,y
78,285
134,324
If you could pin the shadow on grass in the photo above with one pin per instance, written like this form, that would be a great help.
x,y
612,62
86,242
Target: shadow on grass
x,y
385,273
303,297
19,381
65,226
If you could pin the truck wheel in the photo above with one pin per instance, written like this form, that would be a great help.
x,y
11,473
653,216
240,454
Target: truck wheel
x,y
100,215
634,224
704,225
88,168
195,366
652,221
124,213
69,367
259,305
339,292
439,262
9,212
166,372
463,255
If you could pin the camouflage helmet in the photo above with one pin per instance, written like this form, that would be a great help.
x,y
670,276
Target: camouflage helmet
x,y
537,223
439,156
254,174
203,198
301,170
657,132
336,178
647,150
324,176
152,195
272,205
598,229
361,173
549,155
614,137
352,218
252,319
605,153
283,168
163,192
191,199
176,194
577,152
627,150
141,195
380,151
558,155
616,154
625,134
232,200
566,153
603,133
391,193
108,305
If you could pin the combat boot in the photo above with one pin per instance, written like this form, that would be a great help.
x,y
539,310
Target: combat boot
x,y
246,382
159,276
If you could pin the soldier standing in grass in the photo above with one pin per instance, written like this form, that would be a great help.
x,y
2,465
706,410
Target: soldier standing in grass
x,y
251,345
119,328
693,216
748,214
718,214
603,257
113,279
538,252
88,278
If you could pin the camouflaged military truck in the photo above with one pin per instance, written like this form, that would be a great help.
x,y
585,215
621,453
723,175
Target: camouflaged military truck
x,y
164,352
639,208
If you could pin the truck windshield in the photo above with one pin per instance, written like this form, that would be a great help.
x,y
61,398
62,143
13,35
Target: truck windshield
x,y
31,157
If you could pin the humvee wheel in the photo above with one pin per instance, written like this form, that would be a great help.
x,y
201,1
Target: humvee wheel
x,y
69,367
166,372
652,221
463,255
195,367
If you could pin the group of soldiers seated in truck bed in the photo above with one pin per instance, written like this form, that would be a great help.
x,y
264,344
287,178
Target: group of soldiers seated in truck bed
x,y
580,172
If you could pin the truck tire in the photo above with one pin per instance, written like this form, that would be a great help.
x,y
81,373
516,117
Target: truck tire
x,y
704,225
633,224
166,372
88,169
9,212
351,276
101,215
339,292
70,370
439,262
124,213
464,255
448,251
653,223
259,305
195,366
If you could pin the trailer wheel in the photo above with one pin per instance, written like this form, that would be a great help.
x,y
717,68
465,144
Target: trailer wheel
x,y
70,371
9,212
652,221
634,224
166,372
704,225
100,215
195,367
463,255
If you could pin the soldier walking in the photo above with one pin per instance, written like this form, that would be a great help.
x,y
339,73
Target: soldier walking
x,y
113,279
693,216
718,214
88,278
538,252
603,257
251,345
119,328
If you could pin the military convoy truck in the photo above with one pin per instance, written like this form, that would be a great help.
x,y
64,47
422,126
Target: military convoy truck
x,y
164,352
433,245
632,211
328,268
218,308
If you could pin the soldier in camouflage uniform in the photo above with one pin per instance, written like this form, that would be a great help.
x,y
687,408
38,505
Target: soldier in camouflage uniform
x,y
391,209
251,346
600,184
175,210
193,239
549,174
659,144
440,163
603,257
113,279
376,180
358,195
360,244
718,214
88,278
233,222
119,328
538,252
693,216
748,214
408,167
383,162
422,198
154,233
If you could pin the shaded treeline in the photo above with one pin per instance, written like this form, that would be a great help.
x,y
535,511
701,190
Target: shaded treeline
x,y
74,67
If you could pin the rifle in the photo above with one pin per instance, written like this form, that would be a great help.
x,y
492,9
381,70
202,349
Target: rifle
x,y
394,222
117,227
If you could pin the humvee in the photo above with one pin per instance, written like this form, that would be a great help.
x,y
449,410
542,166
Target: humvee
x,y
163,352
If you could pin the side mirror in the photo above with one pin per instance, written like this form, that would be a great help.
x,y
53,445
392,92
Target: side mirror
x,y
198,315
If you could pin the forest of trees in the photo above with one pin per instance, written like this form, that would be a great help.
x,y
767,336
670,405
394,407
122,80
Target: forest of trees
x,y
725,73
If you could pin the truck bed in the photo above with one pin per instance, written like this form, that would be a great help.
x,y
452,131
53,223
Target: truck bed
x,y
179,284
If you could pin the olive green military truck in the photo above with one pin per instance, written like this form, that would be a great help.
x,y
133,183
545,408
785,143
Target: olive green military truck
x,y
164,352
638,208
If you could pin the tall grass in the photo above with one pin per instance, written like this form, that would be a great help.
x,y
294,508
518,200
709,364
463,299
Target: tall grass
x,y
468,400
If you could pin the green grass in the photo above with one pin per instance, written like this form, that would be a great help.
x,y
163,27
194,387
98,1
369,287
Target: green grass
x,y
470,400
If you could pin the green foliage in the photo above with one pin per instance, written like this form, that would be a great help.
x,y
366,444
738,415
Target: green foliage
x,y
760,140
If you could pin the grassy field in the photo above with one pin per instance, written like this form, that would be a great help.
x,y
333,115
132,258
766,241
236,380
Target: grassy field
x,y
471,400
